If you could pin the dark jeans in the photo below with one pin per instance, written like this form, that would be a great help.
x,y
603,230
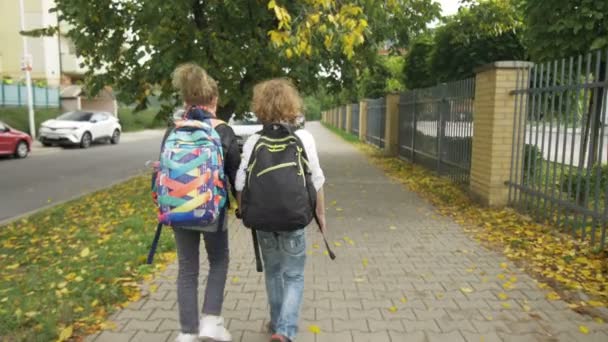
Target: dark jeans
x,y
188,244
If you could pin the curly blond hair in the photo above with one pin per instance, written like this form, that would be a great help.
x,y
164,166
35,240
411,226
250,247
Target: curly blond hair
x,y
194,84
276,100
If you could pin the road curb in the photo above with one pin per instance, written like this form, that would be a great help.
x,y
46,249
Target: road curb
x,y
9,220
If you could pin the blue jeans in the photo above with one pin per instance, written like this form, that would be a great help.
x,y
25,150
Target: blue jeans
x,y
284,256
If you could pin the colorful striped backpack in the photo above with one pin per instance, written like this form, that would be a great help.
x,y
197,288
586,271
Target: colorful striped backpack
x,y
190,186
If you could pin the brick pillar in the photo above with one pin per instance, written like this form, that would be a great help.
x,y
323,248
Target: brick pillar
x,y
391,128
333,117
362,120
339,117
349,118
494,111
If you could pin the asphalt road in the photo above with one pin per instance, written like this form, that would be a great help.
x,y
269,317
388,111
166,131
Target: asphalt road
x,y
52,175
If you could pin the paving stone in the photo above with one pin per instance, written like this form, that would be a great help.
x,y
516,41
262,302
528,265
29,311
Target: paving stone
x,y
426,326
350,325
371,337
476,337
385,325
110,336
247,325
417,336
453,336
448,325
137,325
151,337
334,337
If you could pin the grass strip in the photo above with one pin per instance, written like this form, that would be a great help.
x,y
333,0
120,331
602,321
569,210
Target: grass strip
x,y
65,269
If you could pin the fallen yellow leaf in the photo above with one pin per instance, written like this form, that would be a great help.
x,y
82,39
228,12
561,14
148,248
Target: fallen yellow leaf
x,y
365,262
504,265
598,320
314,329
108,325
466,289
583,329
65,333
392,228
553,296
315,246
403,300
392,309
595,303
85,252
31,314
501,276
508,286
527,308
503,296
506,305
337,244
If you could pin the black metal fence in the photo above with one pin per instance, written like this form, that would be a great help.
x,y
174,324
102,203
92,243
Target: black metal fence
x,y
343,118
376,121
559,171
436,128
354,123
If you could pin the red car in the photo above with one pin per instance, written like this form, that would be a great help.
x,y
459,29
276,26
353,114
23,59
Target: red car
x,y
14,142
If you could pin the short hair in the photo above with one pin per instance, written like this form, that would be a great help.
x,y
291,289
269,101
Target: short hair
x,y
196,87
276,100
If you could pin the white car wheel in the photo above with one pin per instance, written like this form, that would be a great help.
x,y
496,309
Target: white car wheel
x,y
22,150
115,137
85,141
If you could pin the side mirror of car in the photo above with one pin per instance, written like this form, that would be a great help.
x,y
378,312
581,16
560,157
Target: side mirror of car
x,y
93,121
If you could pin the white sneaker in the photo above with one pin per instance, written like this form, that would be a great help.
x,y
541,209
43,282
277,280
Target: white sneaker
x,y
212,329
186,338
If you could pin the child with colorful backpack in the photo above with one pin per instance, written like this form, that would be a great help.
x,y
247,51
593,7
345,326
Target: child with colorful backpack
x,y
280,189
199,160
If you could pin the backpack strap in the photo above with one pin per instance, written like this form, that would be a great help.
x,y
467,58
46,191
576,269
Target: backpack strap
x,y
217,122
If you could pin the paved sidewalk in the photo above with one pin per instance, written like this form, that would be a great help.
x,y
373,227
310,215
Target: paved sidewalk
x,y
403,273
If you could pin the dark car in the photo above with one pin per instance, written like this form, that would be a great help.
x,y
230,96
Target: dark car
x,y
14,142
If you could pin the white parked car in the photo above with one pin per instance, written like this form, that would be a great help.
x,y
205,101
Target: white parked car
x,y
245,127
80,128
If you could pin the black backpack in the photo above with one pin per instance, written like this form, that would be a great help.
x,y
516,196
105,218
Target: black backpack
x,y
278,194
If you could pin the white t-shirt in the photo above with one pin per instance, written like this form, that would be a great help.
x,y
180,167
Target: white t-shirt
x,y
318,178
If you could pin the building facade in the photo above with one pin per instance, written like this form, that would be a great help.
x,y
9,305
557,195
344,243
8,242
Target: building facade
x,y
54,59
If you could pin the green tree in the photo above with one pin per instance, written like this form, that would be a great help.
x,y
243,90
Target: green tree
x,y
134,45
485,32
564,28
417,69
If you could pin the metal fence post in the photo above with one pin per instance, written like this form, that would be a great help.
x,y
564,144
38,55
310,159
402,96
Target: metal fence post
x,y
3,96
18,95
